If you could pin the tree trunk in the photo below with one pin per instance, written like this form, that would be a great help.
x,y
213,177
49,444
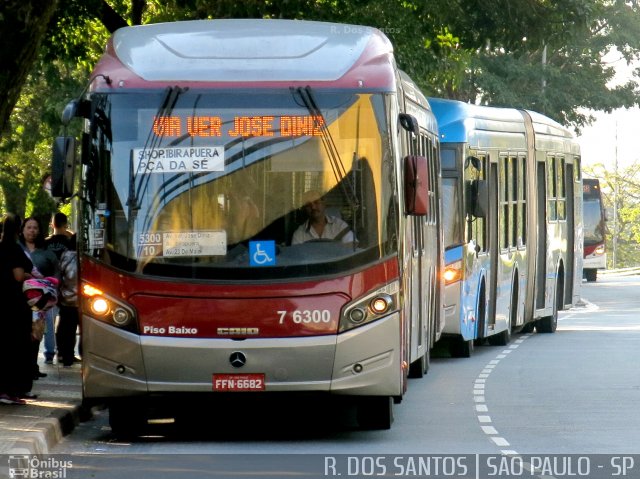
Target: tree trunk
x,y
23,25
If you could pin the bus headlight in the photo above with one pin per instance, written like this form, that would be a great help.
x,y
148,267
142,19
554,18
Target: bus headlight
x,y
599,251
381,304
107,309
371,307
99,306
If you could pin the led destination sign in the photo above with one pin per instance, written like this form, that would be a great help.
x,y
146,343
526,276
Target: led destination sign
x,y
242,126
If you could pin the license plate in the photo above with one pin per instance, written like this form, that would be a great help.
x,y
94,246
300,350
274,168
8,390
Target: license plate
x,y
238,382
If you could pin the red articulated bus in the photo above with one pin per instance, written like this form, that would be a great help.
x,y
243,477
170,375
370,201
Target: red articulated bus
x,y
205,144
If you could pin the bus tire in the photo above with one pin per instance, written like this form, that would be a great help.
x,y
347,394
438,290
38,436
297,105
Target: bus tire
x,y
375,412
459,348
500,339
420,367
126,421
591,275
528,328
503,337
548,324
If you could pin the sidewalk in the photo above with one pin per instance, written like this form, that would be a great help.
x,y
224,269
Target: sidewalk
x,y
37,427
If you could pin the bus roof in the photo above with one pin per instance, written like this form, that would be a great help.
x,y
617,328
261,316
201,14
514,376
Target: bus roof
x,y
425,117
250,51
464,122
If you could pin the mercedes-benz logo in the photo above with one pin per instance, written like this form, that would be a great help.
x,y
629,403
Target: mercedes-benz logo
x,y
237,359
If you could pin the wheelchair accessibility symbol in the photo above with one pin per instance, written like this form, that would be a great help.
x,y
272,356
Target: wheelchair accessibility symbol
x,y
262,253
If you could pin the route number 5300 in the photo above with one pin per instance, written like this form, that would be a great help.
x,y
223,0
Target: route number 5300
x,y
306,316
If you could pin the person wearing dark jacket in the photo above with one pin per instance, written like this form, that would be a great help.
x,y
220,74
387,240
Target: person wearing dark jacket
x,y
68,304
16,374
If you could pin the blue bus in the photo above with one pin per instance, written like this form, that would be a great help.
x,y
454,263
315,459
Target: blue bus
x,y
512,221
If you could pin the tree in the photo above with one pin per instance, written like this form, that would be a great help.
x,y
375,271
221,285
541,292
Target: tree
x,y
544,55
621,194
547,55
25,149
23,25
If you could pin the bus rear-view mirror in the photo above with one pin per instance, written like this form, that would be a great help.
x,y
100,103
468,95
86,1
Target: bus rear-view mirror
x,y
479,198
409,123
416,186
63,166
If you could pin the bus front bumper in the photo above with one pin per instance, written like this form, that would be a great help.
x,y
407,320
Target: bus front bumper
x,y
363,361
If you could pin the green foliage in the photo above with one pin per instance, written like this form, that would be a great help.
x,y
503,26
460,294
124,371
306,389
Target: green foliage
x,y
25,151
621,196
545,55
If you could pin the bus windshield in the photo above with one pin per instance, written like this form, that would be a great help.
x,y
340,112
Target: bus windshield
x,y
214,183
593,221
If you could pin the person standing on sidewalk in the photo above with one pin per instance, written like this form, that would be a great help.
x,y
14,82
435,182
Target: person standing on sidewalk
x,y
16,375
61,241
68,302
57,242
61,238
46,264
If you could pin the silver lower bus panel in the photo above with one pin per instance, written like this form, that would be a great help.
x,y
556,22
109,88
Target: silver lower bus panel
x,y
118,364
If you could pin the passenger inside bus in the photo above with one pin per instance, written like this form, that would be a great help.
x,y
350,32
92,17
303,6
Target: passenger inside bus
x,y
319,225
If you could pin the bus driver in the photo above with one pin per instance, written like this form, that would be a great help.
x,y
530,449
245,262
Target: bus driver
x,y
319,225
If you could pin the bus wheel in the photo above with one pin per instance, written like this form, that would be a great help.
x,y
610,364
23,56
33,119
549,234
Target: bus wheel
x,y
420,367
548,324
503,337
500,339
375,412
528,328
459,348
591,275
126,421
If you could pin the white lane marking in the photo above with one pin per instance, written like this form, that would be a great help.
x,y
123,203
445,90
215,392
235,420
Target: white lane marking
x,y
500,441
479,387
489,429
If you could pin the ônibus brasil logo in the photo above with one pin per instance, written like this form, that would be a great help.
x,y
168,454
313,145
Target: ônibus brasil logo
x,y
30,466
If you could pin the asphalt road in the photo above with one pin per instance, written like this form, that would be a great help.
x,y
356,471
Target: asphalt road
x,y
572,392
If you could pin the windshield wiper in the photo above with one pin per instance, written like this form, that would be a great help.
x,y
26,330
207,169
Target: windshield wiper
x,y
152,142
337,165
166,107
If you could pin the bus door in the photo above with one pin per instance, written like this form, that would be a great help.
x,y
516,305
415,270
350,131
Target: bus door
x,y
541,225
494,247
531,228
419,277
570,262
420,294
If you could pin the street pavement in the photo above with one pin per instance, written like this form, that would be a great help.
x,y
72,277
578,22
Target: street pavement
x,y
37,427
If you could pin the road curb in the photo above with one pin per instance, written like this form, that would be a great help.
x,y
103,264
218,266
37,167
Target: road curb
x,y
44,434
